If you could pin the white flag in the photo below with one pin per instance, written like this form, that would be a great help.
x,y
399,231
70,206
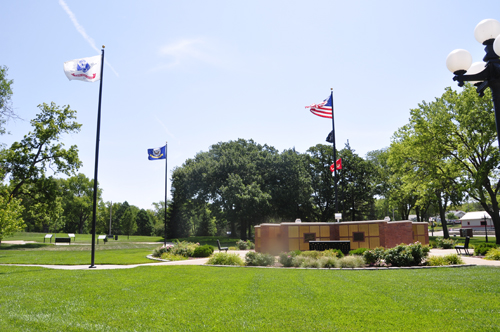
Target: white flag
x,y
84,69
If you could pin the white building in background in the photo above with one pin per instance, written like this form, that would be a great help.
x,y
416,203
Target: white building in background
x,y
473,220
459,214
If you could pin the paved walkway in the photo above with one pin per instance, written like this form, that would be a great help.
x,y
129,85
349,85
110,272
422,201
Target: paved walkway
x,y
242,253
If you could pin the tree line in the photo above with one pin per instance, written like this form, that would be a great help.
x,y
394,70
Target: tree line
x,y
446,156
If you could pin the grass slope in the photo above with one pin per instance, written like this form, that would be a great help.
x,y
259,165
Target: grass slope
x,y
192,298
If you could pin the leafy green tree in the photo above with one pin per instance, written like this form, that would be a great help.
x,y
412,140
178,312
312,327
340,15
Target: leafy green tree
x,y
145,223
128,222
78,197
290,187
322,182
117,214
452,143
357,186
42,204
26,161
233,177
206,225
6,109
25,164
10,217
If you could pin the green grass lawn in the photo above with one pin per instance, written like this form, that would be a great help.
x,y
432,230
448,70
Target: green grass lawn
x,y
194,298
87,239
80,238
472,242
122,251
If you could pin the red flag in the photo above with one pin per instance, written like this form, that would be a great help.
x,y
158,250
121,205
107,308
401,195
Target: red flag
x,y
337,165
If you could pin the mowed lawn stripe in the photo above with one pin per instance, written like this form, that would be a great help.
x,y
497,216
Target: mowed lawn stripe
x,y
194,298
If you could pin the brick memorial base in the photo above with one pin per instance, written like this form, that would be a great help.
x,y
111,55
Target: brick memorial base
x,y
284,237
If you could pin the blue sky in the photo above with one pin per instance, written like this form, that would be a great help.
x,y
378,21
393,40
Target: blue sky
x,y
195,73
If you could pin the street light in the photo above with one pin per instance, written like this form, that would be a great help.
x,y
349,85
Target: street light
x,y
482,74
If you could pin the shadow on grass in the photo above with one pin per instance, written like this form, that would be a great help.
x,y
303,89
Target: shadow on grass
x,y
23,246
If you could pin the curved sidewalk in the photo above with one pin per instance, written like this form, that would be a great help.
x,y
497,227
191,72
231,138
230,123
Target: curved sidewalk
x,y
201,261
465,258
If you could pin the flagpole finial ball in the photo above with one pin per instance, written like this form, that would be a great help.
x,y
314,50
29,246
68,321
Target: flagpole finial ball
x,y
103,46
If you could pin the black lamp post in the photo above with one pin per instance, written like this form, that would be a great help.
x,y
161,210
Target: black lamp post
x,y
482,74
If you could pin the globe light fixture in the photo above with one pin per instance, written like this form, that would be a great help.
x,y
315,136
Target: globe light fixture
x,y
484,74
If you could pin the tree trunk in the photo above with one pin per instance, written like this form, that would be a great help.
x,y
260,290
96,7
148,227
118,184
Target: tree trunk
x,y
442,212
243,230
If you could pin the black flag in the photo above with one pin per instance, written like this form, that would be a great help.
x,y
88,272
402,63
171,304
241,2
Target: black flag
x,y
329,139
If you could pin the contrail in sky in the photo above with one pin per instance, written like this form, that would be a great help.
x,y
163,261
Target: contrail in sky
x,y
81,30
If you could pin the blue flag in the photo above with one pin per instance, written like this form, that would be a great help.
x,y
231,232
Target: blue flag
x,y
157,153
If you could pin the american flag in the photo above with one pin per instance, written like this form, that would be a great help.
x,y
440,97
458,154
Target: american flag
x,y
323,109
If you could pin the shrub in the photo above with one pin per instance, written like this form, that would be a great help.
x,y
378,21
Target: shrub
x,y
398,256
286,259
332,253
374,256
223,258
310,262
183,248
350,262
203,251
493,254
250,244
242,245
419,252
433,244
311,254
445,243
436,261
328,262
358,252
453,259
483,248
406,255
161,250
253,258
298,260
173,257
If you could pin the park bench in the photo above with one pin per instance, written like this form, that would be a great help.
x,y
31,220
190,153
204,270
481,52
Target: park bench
x,y
62,240
47,236
221,248
465,247
72,236
104,239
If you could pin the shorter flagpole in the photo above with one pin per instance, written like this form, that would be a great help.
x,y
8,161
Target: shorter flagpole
x,y
92,259
166,178
334,154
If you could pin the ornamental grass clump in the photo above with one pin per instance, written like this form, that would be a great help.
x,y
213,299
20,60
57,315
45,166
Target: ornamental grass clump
x,y
223,258
493,254
253,258
312,254
311,262
350,262
451,259
328,262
